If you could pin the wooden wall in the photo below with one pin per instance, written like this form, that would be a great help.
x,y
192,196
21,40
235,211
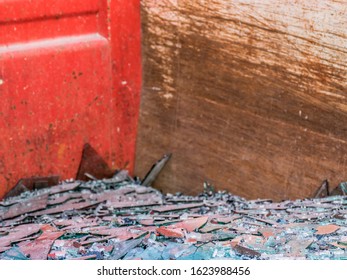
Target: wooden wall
x,y
249,95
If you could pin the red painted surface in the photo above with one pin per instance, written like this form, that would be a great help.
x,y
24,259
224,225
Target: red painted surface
x,y
70,73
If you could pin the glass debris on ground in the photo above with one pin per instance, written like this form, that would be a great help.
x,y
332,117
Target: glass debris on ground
x,y
120,219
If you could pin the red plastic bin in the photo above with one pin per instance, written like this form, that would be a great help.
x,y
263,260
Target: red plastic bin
x,y
70,74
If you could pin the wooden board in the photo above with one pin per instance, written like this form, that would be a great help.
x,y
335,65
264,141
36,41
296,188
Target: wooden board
x,y
248,95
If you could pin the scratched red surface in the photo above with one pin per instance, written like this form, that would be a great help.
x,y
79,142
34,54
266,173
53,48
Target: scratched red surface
x,y
70,74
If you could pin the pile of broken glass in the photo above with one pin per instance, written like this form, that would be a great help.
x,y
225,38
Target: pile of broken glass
x,y
118,218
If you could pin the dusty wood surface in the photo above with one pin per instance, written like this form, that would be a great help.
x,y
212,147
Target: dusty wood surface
x,y
249,95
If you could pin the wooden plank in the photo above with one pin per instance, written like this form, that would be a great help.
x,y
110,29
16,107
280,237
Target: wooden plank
x,y
248,95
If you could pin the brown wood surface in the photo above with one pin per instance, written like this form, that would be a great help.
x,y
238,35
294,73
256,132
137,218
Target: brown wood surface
x,y
248,95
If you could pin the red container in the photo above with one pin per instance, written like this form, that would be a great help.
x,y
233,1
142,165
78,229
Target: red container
x,y
70,74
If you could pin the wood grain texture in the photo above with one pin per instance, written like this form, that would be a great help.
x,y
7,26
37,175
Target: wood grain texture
x,y
249,95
